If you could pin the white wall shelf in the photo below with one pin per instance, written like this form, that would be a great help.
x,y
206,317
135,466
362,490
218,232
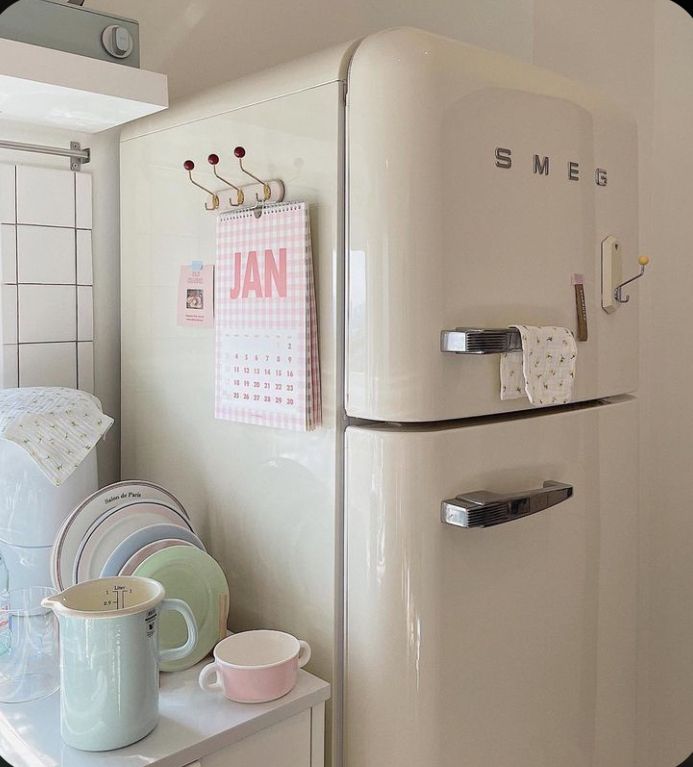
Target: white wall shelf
x,y
42,86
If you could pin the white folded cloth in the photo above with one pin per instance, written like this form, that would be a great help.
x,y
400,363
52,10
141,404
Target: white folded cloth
x,y
544,370
57,427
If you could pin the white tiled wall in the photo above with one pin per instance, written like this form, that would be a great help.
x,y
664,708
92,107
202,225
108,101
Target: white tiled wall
x,y
46,276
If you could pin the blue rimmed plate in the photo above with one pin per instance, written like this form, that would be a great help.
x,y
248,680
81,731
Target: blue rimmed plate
x,y
143,537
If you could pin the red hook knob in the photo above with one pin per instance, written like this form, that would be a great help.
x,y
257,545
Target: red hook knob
x,y
239,152
213,159
189,165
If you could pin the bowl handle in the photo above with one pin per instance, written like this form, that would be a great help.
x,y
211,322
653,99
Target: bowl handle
x,y
208,671
304,653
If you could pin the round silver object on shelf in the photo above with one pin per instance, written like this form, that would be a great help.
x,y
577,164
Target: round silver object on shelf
x,y
117,41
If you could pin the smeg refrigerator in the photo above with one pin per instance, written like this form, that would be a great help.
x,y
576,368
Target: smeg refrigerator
x,y
490,545
453,192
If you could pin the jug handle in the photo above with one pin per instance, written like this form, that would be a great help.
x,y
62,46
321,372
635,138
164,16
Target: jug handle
x,y
176,653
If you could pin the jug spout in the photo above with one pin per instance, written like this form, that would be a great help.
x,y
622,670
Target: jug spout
x,y
52,603
107,598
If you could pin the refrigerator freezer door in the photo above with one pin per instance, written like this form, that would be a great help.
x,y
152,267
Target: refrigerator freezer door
x,y
511,645
478,186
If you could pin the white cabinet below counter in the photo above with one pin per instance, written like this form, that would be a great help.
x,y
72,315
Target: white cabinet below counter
x,y
196,728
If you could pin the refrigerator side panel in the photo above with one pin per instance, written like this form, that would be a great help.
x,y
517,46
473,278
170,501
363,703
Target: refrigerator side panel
x,y
478,186
263,499
506,645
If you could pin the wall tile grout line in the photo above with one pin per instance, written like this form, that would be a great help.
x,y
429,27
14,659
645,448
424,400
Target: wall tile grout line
x,y
74,183
16,267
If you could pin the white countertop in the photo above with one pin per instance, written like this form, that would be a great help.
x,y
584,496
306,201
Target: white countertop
x,y
193,724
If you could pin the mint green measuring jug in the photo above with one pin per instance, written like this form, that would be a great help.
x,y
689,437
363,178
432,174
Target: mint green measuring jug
x,y
109,659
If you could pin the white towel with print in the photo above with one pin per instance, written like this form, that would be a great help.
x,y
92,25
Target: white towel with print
x,y
544,371
57,427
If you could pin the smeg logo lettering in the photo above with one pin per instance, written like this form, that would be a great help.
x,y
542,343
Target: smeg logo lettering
x,y
541,166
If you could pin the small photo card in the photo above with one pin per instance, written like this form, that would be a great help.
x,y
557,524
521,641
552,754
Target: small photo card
x,y
196,296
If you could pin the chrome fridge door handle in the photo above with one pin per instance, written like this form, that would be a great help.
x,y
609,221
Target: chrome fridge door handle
x,y
480,340
484,509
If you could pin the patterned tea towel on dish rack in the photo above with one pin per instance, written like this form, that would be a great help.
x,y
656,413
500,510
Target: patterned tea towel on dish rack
x,y
57,427
544,370
267,369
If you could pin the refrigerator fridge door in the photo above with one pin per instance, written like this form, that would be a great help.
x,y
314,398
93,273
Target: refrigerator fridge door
x,y
511,645
478,186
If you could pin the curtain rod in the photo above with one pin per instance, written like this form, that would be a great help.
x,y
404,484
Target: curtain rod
x,y
77,155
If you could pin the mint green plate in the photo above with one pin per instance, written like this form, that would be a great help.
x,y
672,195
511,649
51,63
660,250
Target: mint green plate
x,y
191,575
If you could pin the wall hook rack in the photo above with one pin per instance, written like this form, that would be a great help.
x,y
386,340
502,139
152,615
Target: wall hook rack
x,y
612,277
213,160
267,192
189,166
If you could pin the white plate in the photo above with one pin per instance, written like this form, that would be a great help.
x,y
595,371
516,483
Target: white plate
x,y
73,529
113,527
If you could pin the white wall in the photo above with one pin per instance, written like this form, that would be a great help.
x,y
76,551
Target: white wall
x,y
106,256
105,169
199,43
667,516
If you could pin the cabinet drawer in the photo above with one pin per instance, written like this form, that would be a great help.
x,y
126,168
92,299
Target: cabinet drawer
x,y
287,744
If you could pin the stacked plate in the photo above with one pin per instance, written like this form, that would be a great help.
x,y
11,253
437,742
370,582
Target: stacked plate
x,y
139,528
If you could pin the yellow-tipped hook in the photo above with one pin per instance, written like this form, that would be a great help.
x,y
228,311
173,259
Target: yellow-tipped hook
x,y
618,292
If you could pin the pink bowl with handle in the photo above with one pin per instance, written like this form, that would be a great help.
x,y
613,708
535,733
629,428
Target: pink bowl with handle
x,y
255,666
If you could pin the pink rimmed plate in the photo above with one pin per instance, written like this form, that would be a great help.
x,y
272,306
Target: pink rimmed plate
x,y
146,551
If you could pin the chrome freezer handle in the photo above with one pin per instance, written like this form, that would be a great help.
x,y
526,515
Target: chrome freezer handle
x,y
484,509
480,340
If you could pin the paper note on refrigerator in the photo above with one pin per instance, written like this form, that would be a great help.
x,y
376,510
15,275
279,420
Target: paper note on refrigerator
x,y
196,296
267,370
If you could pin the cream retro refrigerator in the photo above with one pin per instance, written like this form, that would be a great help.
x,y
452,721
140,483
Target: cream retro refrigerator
x,y
449,188
508,645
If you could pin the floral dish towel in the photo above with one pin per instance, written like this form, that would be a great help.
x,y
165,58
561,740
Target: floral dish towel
x,y
57,427
544,371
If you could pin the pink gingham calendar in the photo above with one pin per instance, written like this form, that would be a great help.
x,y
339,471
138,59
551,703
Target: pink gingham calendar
x,y
267,370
